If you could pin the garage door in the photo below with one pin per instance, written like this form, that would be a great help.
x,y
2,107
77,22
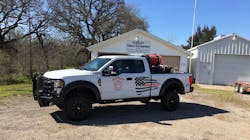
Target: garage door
x,y
173,61
230,68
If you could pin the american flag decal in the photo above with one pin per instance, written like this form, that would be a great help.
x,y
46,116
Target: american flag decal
x,y
143,84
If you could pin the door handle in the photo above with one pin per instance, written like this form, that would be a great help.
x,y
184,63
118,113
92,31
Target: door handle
x,y
129,78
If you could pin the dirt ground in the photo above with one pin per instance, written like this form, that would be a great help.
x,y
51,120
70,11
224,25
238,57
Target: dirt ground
x,y
196,119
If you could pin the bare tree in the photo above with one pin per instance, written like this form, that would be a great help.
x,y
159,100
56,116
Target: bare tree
x,y
42,17
129,19
92,21
14,18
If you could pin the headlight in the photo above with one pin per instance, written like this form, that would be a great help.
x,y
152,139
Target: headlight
x,y
58,85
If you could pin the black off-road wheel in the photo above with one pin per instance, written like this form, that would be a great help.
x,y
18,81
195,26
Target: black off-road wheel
x,y
77,107
170,100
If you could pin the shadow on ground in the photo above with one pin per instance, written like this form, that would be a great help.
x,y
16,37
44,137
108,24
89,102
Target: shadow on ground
x,y
152,112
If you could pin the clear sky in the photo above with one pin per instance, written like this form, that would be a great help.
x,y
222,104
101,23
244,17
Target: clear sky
x,y
172,19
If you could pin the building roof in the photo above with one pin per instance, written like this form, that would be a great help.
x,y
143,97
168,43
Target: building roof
x,y
218,39
124,35
119,56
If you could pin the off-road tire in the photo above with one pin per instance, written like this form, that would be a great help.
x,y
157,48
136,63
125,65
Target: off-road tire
x,y
170,99
77,107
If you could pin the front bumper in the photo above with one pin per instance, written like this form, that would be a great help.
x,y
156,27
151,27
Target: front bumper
x,y
43,90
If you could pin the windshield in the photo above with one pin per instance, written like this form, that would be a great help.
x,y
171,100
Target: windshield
x,y
95,65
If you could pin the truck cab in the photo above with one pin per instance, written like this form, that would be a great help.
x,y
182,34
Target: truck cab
x,y
109,79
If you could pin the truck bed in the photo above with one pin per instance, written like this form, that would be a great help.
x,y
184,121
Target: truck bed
x,y
162,77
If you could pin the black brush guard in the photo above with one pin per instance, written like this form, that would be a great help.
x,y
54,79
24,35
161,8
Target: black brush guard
x,y
43,90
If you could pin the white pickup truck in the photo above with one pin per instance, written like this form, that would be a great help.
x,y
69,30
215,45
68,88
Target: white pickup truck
x,y
109,79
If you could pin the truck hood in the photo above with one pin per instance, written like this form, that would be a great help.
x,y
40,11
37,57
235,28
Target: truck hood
x,y
60,74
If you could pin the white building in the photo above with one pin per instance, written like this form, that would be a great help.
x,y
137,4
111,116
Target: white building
x,y
222,61
138,42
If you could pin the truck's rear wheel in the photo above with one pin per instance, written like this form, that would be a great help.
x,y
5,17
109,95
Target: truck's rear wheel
x,y
170,100
77,107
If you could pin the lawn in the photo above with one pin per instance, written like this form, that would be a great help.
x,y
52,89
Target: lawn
x,y
212,91
223,96
15,89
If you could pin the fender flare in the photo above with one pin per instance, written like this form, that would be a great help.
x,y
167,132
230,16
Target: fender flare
x,y
81,84
172,81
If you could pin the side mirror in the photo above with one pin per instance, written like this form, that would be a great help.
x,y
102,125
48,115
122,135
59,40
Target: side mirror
x,y
109,71
110,68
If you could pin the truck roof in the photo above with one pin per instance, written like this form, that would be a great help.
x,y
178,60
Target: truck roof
x,y
120,56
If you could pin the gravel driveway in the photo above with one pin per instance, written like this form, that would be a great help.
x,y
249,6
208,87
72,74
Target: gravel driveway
x,y
21,118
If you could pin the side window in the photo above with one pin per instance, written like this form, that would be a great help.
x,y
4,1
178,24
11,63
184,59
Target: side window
x,y
137,66
121,66
128,66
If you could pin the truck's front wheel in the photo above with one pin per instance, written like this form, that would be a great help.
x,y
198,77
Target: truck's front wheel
x,y
77,107
170,100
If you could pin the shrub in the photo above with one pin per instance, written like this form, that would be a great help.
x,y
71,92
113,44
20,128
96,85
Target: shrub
x,y
14,80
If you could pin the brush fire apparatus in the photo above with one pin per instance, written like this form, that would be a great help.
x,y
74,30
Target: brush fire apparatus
x,y
109,79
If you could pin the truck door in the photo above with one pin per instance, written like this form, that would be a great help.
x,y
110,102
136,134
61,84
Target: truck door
x,y
127,79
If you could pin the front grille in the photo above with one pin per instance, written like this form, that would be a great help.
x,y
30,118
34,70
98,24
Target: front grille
x,y
45,86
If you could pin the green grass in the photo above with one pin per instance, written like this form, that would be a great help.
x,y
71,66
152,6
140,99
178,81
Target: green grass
x,y
212,91
223,96
15,89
